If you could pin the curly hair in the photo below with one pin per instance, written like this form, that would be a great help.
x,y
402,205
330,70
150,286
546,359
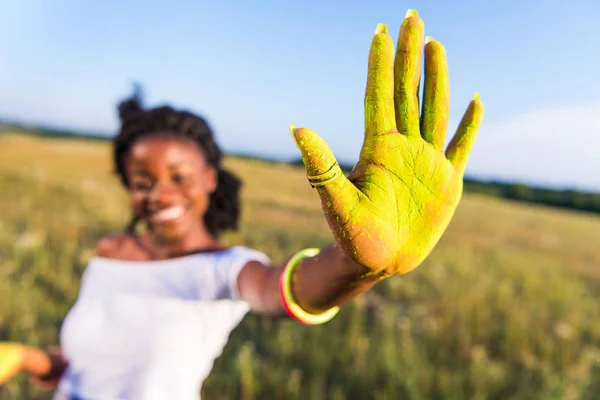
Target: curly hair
x,y
137,122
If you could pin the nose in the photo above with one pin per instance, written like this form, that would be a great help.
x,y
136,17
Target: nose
x,y
162,194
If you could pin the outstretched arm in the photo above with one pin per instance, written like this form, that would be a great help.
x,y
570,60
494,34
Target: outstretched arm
x,y
390,212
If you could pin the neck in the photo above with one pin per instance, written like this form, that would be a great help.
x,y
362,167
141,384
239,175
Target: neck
x,y
198,239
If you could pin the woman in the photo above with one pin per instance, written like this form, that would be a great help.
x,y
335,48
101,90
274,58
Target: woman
x,y
155,309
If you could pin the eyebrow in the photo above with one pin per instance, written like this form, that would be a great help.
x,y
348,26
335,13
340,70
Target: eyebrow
x,y
141,171
178,164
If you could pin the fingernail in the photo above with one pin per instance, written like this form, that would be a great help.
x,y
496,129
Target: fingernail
x,y
411,13
293,128
381,28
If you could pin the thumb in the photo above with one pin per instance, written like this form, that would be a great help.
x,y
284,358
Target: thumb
x,y
322,169
460,146
338,194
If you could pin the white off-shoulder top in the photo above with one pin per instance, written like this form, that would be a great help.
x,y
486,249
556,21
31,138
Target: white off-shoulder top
x,y
145,330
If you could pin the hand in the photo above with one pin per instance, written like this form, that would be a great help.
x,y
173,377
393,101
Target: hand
x,y
392,209
56,353
12,356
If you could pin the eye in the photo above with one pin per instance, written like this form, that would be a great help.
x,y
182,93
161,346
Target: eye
x,y
180,178
142,185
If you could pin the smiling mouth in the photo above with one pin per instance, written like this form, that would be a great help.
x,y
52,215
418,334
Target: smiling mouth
x,y
168,214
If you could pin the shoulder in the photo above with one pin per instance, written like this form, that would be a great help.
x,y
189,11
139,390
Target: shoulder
x,y
111,246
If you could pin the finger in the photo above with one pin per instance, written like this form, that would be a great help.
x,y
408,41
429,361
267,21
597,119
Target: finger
x,y
338,194
407,73
379,95
322,169
436,95
460,147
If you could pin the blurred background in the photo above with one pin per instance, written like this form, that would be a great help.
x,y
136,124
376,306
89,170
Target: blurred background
x,y
507,305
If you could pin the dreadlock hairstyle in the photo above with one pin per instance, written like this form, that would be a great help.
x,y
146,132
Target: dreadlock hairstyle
x,y
137,122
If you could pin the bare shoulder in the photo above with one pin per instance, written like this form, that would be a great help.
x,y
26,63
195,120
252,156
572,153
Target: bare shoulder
x,y
111,246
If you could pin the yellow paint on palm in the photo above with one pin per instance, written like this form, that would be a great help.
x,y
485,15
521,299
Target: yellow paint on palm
x,y
11,360
392,209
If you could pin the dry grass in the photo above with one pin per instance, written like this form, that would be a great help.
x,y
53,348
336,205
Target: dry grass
x,y
506,307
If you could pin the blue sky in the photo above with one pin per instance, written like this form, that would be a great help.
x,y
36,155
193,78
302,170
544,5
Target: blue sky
x,y
253,67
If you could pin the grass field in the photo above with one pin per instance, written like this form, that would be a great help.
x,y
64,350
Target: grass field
x,y
506,307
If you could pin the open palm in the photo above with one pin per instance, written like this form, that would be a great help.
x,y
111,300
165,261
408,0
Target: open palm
x,y
392,209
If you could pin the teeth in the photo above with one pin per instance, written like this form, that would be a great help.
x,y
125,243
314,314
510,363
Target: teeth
x,y
169,213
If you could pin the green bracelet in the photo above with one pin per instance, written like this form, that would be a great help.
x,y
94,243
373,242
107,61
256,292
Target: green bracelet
x,y
285,290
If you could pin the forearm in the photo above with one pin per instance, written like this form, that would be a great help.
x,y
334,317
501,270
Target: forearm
x,y
329,279
326,280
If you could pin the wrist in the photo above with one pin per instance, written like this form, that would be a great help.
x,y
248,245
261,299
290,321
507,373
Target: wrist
x,y
287,296
357,273
44,365
35,361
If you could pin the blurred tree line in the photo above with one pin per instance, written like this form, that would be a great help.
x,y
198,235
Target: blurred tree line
x,y
566,198
563,198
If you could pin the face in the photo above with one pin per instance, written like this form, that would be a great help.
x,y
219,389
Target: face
x,y
170,185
